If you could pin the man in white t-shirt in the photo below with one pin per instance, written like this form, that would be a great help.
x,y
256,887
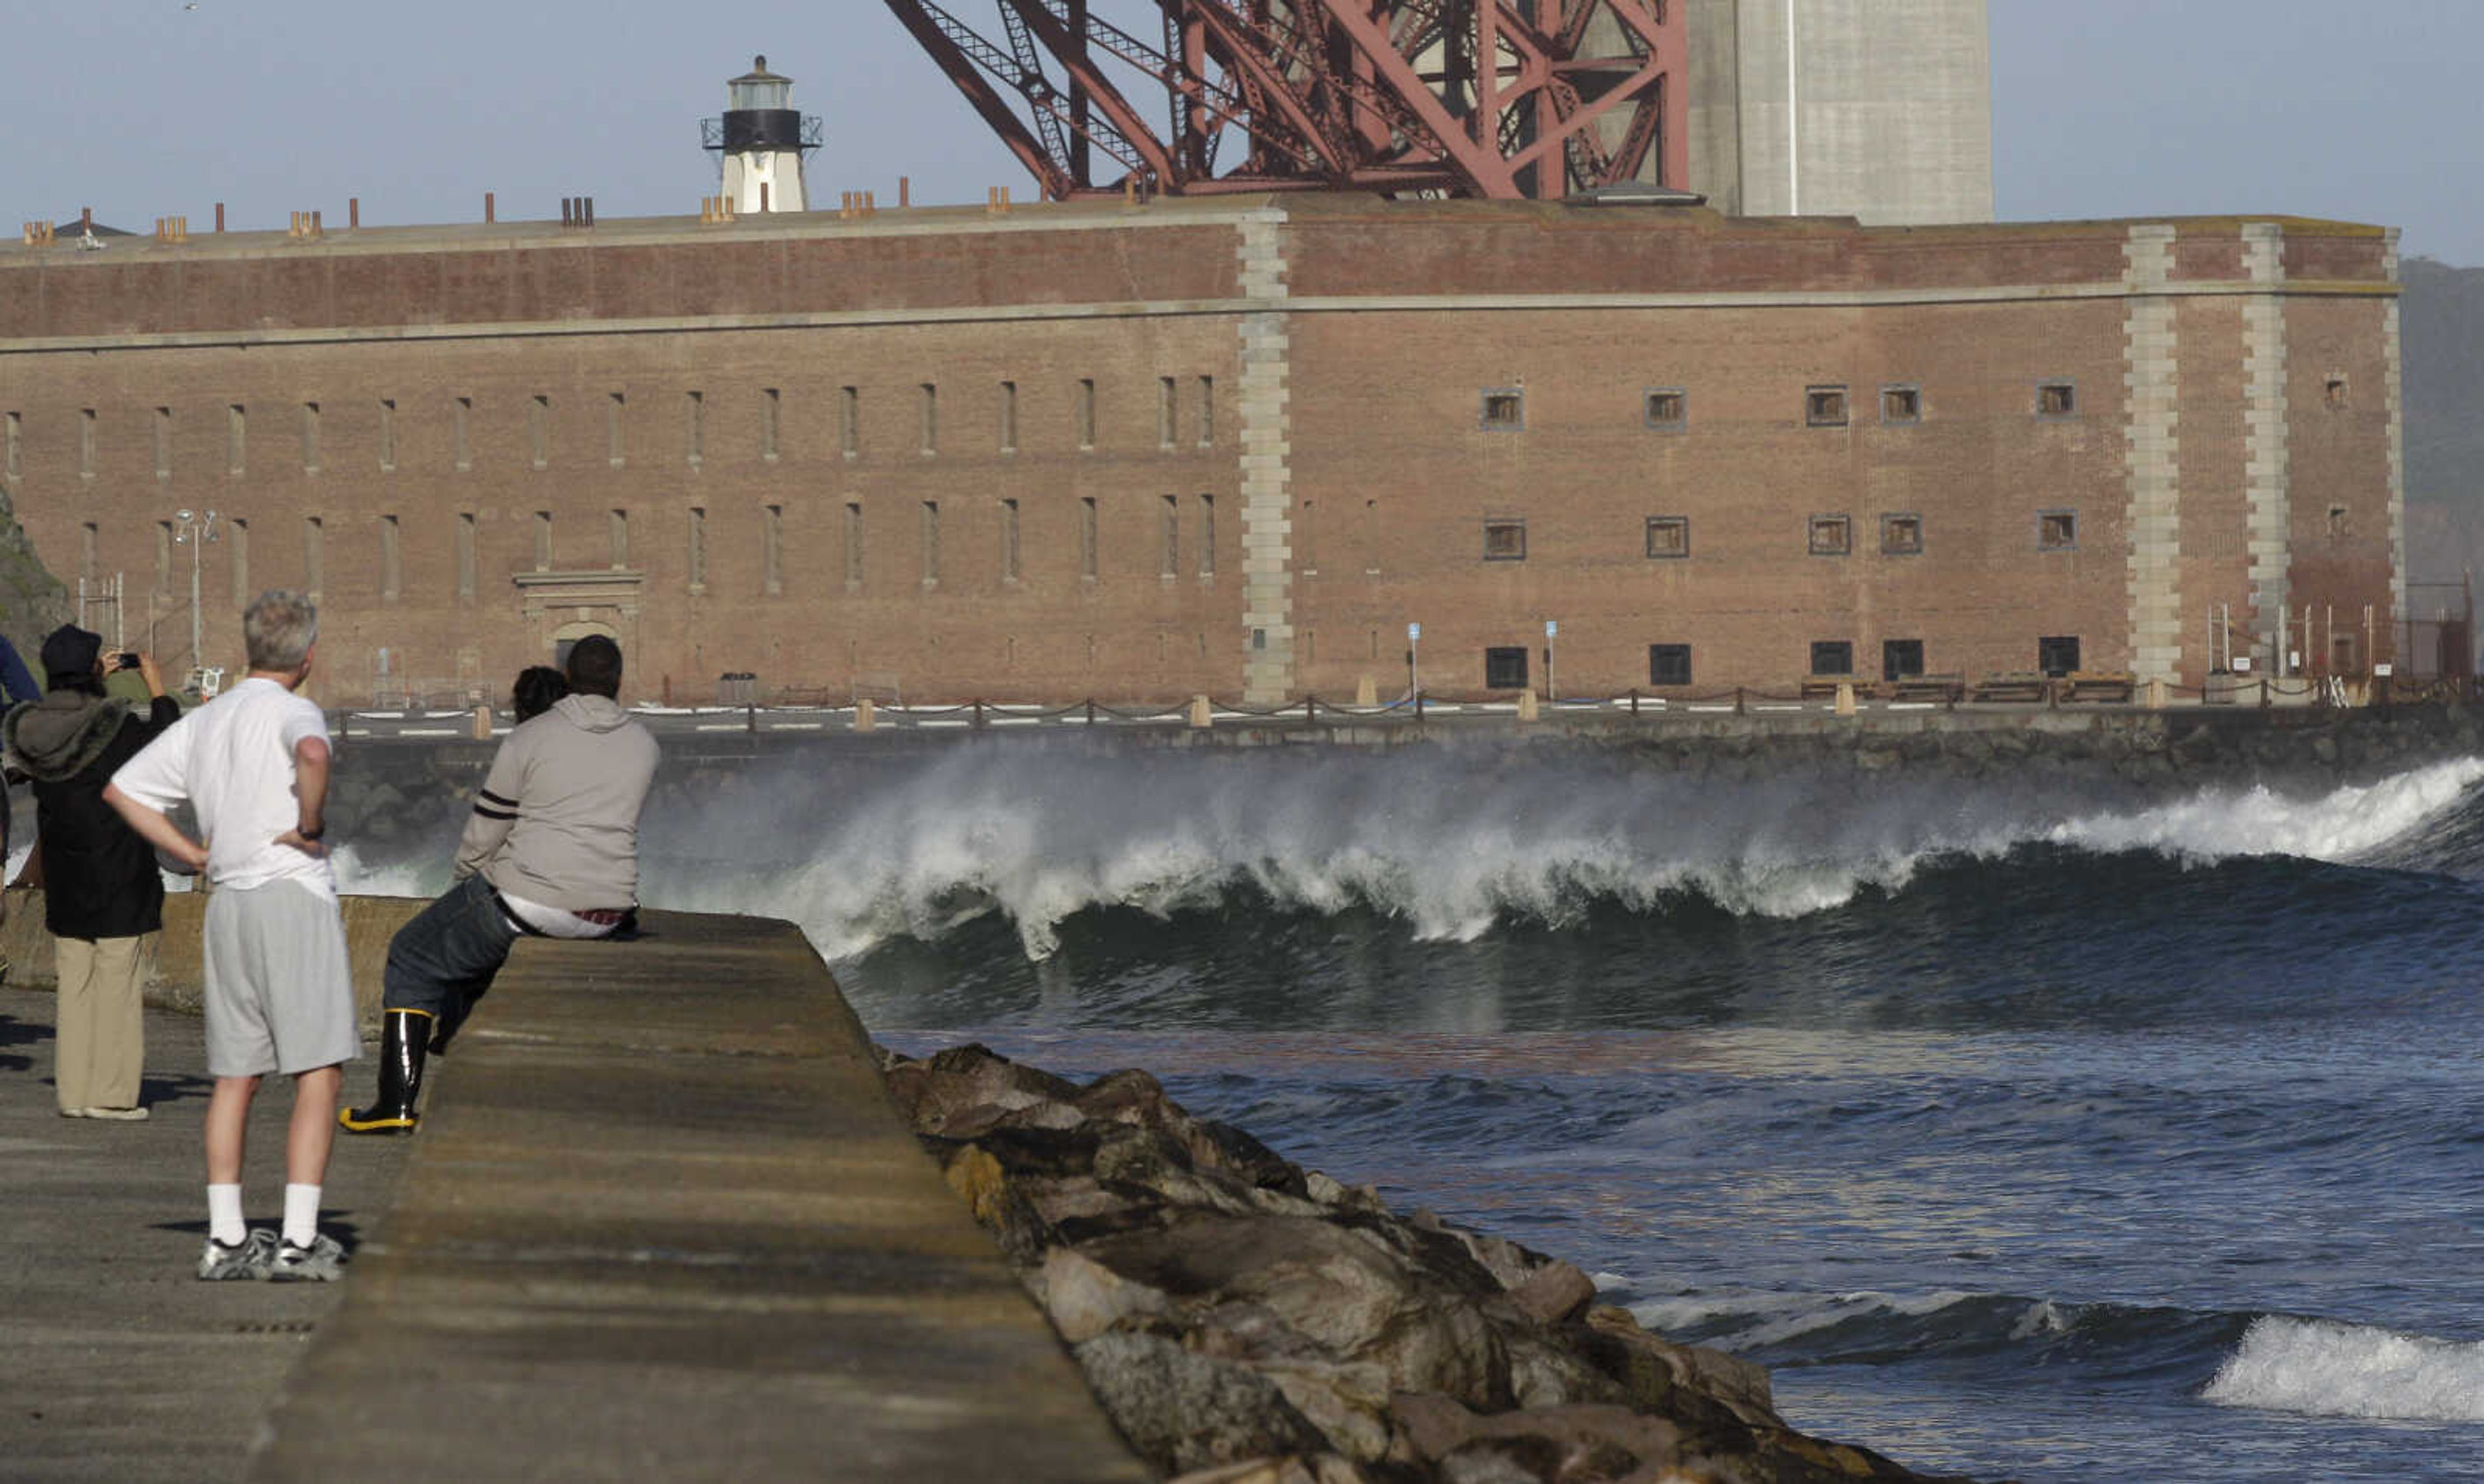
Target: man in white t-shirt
x,y
252,764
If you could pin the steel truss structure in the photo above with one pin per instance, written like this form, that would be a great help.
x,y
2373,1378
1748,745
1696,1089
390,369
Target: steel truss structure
x,y
1499,99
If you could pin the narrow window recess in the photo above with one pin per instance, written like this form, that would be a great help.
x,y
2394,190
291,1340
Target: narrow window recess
x,y
309,438
1665,409
237,439
1503,410
1207,537
1668,536
1009,417
1901,535
1168,412
1206,411
237,543
694,430
1085,413
1504,668
539,432
927,417
616,413
12,462
850,422
1825,407
465,556
1009,569
461,416
1089,556
387,435
1170,567
854,547
2057,530
391,560
616,535
543,541
772,401
772,549
930,528
2057,399
698,549
1833,657
1901,404
1668,664
1831,535
1504,540
314,554
163,443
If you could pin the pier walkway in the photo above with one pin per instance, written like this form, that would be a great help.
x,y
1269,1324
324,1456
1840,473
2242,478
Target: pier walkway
x,y
660,1224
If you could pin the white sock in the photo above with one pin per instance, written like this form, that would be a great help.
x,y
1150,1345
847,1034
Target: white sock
x,y
301,1214
224,1215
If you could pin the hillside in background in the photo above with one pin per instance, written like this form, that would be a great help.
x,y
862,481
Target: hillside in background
x,y
2443,325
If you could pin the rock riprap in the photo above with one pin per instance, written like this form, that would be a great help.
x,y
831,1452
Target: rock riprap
x,y
1245,1321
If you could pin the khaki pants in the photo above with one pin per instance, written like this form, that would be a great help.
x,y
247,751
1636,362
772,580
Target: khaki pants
x,y
101,1034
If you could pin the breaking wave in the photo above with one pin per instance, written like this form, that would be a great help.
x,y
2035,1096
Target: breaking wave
x,y
2321,1369
1452,846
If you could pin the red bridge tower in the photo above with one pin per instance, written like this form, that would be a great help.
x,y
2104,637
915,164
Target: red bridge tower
x,y
1505,98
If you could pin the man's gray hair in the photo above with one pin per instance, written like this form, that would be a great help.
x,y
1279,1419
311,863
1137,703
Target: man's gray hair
x,y
279,627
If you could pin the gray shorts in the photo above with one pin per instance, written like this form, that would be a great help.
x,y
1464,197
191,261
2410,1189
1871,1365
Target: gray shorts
x,y
279,991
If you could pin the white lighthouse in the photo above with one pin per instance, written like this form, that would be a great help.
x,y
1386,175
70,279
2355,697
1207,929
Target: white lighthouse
x,y
762,140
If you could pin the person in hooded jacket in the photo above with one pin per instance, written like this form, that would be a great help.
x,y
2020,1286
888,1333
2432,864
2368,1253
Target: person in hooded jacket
x,y
103,898
551,851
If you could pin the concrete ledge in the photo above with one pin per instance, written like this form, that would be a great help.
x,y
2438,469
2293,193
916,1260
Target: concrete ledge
x,y
661,1224
370,923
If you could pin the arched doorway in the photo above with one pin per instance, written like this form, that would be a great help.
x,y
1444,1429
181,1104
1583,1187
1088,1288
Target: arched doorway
x,y
565,639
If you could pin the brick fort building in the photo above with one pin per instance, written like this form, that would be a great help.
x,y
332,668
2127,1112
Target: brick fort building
x,y
1230,444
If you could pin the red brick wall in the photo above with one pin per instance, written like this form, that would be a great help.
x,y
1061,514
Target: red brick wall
x,y
1392,476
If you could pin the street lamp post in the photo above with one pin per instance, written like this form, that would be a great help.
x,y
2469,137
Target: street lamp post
x,y
194,531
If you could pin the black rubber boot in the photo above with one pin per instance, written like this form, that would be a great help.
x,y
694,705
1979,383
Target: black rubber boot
x,y
404,1033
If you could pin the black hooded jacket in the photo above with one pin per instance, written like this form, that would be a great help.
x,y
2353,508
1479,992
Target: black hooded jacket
x,y
99,878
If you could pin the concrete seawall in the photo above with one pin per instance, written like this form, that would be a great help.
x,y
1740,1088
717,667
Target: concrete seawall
x,y
662,1222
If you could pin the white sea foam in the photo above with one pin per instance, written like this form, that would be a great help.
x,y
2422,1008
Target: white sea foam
x,y
2321,1369
1451,844
1743,1320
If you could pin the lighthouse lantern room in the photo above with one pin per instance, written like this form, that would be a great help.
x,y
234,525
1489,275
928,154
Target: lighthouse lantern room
x,y
763,141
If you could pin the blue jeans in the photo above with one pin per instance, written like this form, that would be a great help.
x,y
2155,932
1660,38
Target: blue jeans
x,y
442,961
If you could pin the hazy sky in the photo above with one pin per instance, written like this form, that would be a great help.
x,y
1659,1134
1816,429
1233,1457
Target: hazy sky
x,y
143,108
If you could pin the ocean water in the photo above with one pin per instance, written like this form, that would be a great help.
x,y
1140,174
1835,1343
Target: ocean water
x,y
2047,1129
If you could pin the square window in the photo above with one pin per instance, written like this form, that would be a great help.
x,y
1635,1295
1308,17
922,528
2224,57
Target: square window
x,y
1901,658
2057,399
1901,535
2338,526
1668,408
1668,664
1504,409
1504,540
2057,530
1668,535
1831,535
2336,392
1901,404
2058,656
1833,657
1825,407
1504,669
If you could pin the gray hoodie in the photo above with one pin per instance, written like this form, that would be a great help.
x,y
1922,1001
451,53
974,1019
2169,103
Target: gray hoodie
x,y
558,819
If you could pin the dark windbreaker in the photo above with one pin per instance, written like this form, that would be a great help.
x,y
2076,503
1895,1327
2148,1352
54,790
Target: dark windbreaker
x,y
99,878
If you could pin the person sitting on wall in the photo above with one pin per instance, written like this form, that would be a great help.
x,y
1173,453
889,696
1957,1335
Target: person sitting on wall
x,y
552,850
537,688
103,898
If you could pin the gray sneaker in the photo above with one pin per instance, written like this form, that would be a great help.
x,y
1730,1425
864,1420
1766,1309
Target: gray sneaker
x,y
322,1261
245,1261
